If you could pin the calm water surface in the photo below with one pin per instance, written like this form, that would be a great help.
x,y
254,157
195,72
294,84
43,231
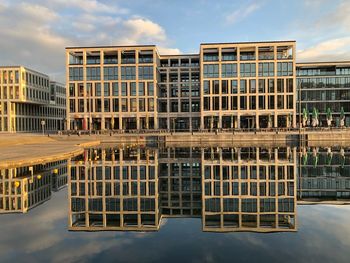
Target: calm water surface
x,y
205,204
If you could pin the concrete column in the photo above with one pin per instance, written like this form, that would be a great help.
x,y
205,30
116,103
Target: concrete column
x,y
238,121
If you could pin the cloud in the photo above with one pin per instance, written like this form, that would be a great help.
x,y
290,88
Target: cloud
x,y
35,33
331,50
242,12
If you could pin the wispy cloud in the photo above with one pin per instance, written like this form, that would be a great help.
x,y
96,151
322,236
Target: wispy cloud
x,y
35,33
332,50
242,12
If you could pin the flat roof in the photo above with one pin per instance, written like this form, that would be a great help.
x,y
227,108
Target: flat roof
x,y
249,42
112,46
26,68
325,63
180,55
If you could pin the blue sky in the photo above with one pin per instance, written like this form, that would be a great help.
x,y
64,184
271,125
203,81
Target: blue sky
x,y
34,33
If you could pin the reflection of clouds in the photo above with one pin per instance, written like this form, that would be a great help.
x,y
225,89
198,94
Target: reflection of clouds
x,y
41,235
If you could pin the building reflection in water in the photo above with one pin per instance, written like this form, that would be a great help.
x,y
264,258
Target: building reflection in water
x,y
231,189
23,188
325,175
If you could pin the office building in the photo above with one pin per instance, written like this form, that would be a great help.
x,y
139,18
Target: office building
x,y
324,87
23,188
28,101
231,85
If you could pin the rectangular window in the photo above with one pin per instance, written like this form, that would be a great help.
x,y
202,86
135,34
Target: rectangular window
x,y
115,105
97,89
284,69
93,73
124,89
141,89
261,102
206,104
75,74
262,86
145,72
206,87
228,70
106,89
243,86
248,70
150,89
234,105
110,73
266,69
128,73
150,105
280,85
234,87
115,88
106,105
142,105
252,86
132,88
224,86
211,71
124,104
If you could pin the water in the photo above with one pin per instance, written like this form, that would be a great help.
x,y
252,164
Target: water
x,y
199,204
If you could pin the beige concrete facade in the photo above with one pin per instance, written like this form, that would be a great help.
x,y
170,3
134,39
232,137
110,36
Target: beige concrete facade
x,y
27,98
248,85
112,88
230,188
230,85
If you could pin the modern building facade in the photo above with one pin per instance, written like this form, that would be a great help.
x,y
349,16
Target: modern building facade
x,y
231,85
112,88
23,188
27,98
324,175
230,189
324,87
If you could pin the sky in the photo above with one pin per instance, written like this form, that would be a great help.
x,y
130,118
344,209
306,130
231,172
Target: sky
x,y
34,33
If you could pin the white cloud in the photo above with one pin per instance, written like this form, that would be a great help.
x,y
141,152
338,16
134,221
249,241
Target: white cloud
x,y
328,50
35,33
242,12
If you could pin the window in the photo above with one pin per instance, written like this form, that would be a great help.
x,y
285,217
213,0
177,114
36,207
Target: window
x,y
284,69
261,86
106,89
141,89
228,70
98,89
266,69
211,56
93,59
206,87
110,59
234,87
243,86
93,73
280,85
74,74
132,88
146,72
115,88
271,85
110,73
224,86
211,71
252,86
124,89
150,89
248,70
128,73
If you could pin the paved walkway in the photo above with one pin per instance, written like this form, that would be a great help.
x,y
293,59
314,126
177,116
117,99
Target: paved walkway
x,y
19,150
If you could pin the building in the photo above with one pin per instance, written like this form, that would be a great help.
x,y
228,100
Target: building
x,y
23,188
230,189
249,189
114,189
27,98
230,85
325,87
324,175
112,88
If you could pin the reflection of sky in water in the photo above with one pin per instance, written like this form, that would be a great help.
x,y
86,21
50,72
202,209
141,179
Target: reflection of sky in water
x,y
41,235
